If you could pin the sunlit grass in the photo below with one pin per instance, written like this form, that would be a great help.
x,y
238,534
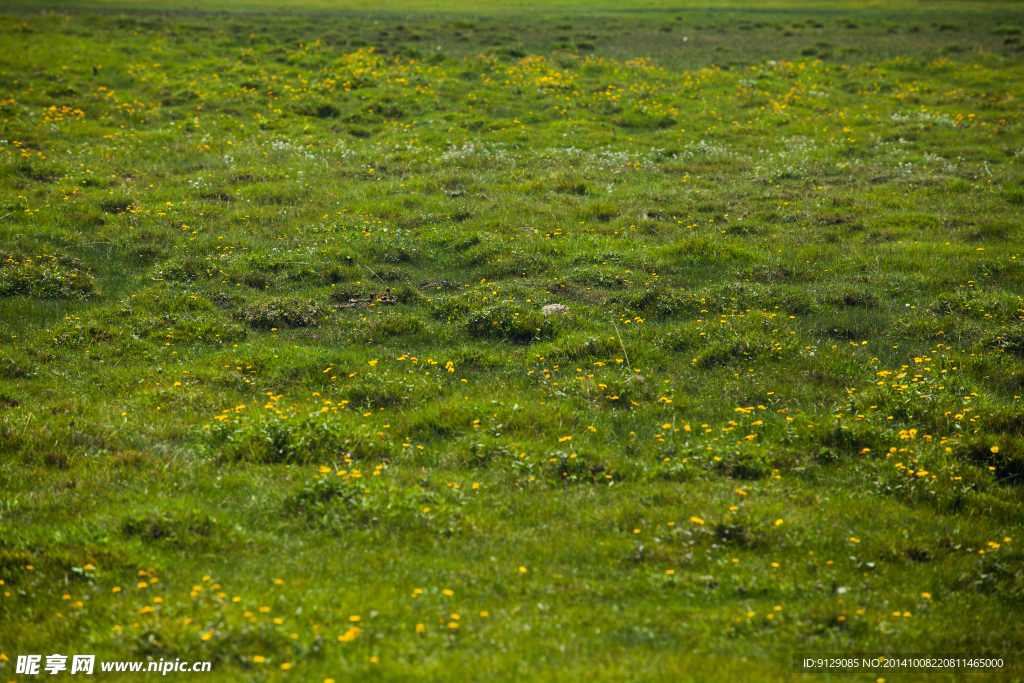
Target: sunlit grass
x,y
279,389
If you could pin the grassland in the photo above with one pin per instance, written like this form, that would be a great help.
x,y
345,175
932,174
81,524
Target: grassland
x,y
277,392
553,9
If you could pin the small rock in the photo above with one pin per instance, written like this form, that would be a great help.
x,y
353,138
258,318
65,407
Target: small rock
x,y
554,308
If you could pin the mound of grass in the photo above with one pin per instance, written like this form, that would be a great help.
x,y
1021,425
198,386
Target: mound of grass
x,y
280,313
505,323
46,275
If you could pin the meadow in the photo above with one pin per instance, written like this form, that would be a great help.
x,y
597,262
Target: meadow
x,y
277,390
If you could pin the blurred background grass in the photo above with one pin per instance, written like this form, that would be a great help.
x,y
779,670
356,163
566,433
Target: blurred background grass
x,y
507,7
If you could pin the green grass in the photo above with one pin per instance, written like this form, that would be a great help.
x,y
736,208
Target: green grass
x,y
271,336
510,8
